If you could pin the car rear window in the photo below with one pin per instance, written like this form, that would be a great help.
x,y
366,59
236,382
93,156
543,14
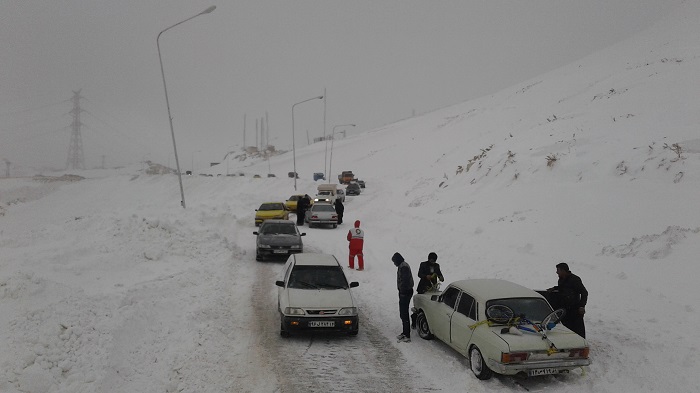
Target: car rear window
x,y
323,208
534,309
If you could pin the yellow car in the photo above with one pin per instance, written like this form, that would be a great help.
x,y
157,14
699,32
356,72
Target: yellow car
x,y
269,211
291,203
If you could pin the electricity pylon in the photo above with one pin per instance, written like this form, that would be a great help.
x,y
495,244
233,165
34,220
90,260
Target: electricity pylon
x,y
76,160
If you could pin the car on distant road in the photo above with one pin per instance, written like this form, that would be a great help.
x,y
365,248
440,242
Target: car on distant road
x,y
353,189
277,238
314,295
322,214
271,211
502,327
361,183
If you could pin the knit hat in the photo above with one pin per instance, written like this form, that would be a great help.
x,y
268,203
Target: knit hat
x,y
357,223
432,256
397,259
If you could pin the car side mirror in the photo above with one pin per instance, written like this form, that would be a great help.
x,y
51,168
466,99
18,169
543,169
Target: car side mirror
x,y
255,233
354,284
303,234
279,283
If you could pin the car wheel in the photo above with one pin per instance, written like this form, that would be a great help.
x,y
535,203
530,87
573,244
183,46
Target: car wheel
x,y
335,225
478,365
258,257
422,326
311,225
353,333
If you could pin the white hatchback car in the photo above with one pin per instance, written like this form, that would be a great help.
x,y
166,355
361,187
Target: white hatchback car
x,y
502,327
314,295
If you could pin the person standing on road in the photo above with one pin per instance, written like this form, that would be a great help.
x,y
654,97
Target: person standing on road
x,y
429,273
340,209
572,296
302,205
356,238
404,283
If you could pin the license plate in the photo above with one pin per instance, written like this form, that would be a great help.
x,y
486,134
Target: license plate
x,y
322,324
279,251
542,371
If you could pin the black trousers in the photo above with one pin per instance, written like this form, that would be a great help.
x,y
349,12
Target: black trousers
x,y
404,302
574,321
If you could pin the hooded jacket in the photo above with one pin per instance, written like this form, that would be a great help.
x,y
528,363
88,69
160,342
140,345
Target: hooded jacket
x,y
404,278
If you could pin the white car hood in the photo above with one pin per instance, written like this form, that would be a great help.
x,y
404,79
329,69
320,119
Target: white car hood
x,y
320,298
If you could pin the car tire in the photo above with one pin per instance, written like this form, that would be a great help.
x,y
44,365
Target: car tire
x,y
422,326
335,225
311,225
258,257
478,365
353,333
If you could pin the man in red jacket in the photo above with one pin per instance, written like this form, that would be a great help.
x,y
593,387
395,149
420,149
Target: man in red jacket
x,y
356,238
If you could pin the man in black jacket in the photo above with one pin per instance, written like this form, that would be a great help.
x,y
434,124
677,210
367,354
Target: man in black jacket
x,y
404,283
340,209
428,272
571,295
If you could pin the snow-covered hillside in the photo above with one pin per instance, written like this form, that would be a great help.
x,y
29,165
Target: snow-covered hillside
x,y
108,285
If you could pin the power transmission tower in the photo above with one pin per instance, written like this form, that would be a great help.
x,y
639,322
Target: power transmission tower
x,y
76,160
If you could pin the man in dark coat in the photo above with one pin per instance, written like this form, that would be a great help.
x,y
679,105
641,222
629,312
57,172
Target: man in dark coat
x,y
302,205
340,209
428,272
404,283
571,295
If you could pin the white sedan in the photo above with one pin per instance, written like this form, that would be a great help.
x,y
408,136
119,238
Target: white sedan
x,y
314,295
501,327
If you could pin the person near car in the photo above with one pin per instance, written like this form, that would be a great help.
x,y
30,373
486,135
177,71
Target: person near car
x,y
340,209
404,283
302,205
428,273
572,295
356,238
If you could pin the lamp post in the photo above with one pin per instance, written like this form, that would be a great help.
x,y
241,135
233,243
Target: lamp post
x,y
330,162
167,102
294,151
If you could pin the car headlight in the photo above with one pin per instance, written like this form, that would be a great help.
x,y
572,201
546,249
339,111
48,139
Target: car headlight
x,y
293,311
348,311
263,246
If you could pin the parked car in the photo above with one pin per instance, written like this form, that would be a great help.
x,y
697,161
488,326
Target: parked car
x,y
319,176
271,211
361,183
321,214
472,317
291,174
340,194
291,203
353,189
277,238
314,295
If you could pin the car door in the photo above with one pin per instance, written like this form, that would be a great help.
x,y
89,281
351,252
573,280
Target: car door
x,y
440,321
464,315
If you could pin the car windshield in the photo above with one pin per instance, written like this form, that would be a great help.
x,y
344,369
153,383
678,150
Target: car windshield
x,y
317,277
278,229
323,208
533,309
271,206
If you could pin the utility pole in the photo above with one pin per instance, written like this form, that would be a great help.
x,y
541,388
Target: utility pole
x,y
76,160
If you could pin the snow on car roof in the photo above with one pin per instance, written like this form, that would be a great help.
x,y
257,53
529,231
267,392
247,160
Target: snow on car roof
x,y
315,259
492,288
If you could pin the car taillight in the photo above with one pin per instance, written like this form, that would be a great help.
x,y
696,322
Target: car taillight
x,y
314,216
335,216
579,353
515,357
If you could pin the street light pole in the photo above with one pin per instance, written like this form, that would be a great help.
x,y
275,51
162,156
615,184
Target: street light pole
x,y
294,151
167,102
330,162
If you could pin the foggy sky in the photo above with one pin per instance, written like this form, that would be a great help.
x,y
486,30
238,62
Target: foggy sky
x,y
379,61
